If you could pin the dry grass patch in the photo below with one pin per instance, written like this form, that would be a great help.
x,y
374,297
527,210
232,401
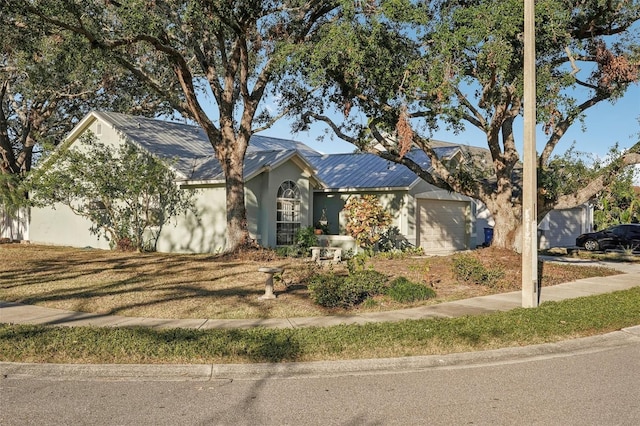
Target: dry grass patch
x,y
210,286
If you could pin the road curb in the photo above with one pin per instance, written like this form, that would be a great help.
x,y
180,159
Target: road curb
x,y
230,372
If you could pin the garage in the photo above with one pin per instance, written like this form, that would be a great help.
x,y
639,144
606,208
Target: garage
x,y
444,224
560,228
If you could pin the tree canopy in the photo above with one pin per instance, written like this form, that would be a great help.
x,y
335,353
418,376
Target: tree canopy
x,y
212,61
620,203
399,70
49,79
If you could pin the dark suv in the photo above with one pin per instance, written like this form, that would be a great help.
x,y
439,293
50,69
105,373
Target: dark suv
x,y
620,237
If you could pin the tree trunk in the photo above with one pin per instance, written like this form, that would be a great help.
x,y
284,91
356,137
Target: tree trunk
x,y
237,234
507,229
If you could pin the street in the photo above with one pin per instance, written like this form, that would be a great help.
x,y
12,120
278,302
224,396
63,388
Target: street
x,y
598,387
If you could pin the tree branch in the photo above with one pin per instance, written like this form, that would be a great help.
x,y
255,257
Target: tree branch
x,y
475,118
563,125
334,127
607,176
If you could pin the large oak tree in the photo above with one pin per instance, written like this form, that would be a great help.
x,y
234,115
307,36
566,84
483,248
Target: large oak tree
x,y
397,70
227,53
49,80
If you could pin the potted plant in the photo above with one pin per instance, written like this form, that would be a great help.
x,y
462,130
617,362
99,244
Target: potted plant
x,y
322,226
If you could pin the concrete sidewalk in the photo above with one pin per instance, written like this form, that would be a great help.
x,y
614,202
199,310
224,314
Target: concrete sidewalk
x,y
28,314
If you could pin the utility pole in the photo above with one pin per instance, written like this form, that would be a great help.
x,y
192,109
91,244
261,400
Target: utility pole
x,y
530,296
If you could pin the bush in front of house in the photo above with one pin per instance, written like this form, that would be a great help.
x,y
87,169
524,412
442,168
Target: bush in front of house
x,y
367,219
468,268
339,291
304,239
404,291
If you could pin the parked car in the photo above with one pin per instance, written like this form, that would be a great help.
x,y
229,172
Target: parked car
x,y
620,237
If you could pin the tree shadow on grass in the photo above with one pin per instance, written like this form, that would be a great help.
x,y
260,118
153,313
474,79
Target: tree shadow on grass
x,y
70,279
176,345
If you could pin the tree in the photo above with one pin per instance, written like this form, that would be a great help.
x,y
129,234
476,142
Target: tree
x,y
397,70
127,194
190,52
620,203
48,81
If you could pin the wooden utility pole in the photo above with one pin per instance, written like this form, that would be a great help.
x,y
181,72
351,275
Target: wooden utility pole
x,y
530,295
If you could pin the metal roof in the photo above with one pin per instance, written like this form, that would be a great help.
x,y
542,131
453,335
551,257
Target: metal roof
x,y
208,168
368,171
341,171
190,153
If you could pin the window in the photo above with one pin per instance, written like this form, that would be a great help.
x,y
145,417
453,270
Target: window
x,y
288,213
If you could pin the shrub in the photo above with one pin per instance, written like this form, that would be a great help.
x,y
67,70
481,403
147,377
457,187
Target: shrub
x,y
304,239
470,269
357,262
367,219
127,194
404,291
325,289
338,291
392,240
286,251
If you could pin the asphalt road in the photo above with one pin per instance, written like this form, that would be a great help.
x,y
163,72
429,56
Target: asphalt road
x,y
597,383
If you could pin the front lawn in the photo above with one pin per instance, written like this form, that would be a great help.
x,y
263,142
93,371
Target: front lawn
x,y
209,286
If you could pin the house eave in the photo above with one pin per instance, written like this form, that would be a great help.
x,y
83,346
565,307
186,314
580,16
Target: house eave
x,y
203,182
442,195
374,189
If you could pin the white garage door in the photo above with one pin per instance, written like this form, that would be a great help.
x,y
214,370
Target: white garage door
x,y
560,228
442,225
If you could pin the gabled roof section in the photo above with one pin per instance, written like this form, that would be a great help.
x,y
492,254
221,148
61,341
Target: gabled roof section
x,y
265,143
207,169
163,138
190,152
480,156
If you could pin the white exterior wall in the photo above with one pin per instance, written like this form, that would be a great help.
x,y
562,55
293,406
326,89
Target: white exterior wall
x,y
14,227
483,219
203,232
206,231
60,226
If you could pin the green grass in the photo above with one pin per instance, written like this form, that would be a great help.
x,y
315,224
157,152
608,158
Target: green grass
x,y
552,321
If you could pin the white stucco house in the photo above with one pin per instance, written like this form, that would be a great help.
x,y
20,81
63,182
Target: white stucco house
x,y
288,185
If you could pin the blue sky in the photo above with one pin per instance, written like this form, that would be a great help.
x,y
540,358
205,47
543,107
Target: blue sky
x,y
605,125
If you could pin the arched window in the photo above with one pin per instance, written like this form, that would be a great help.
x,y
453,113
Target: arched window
x,y
288,213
